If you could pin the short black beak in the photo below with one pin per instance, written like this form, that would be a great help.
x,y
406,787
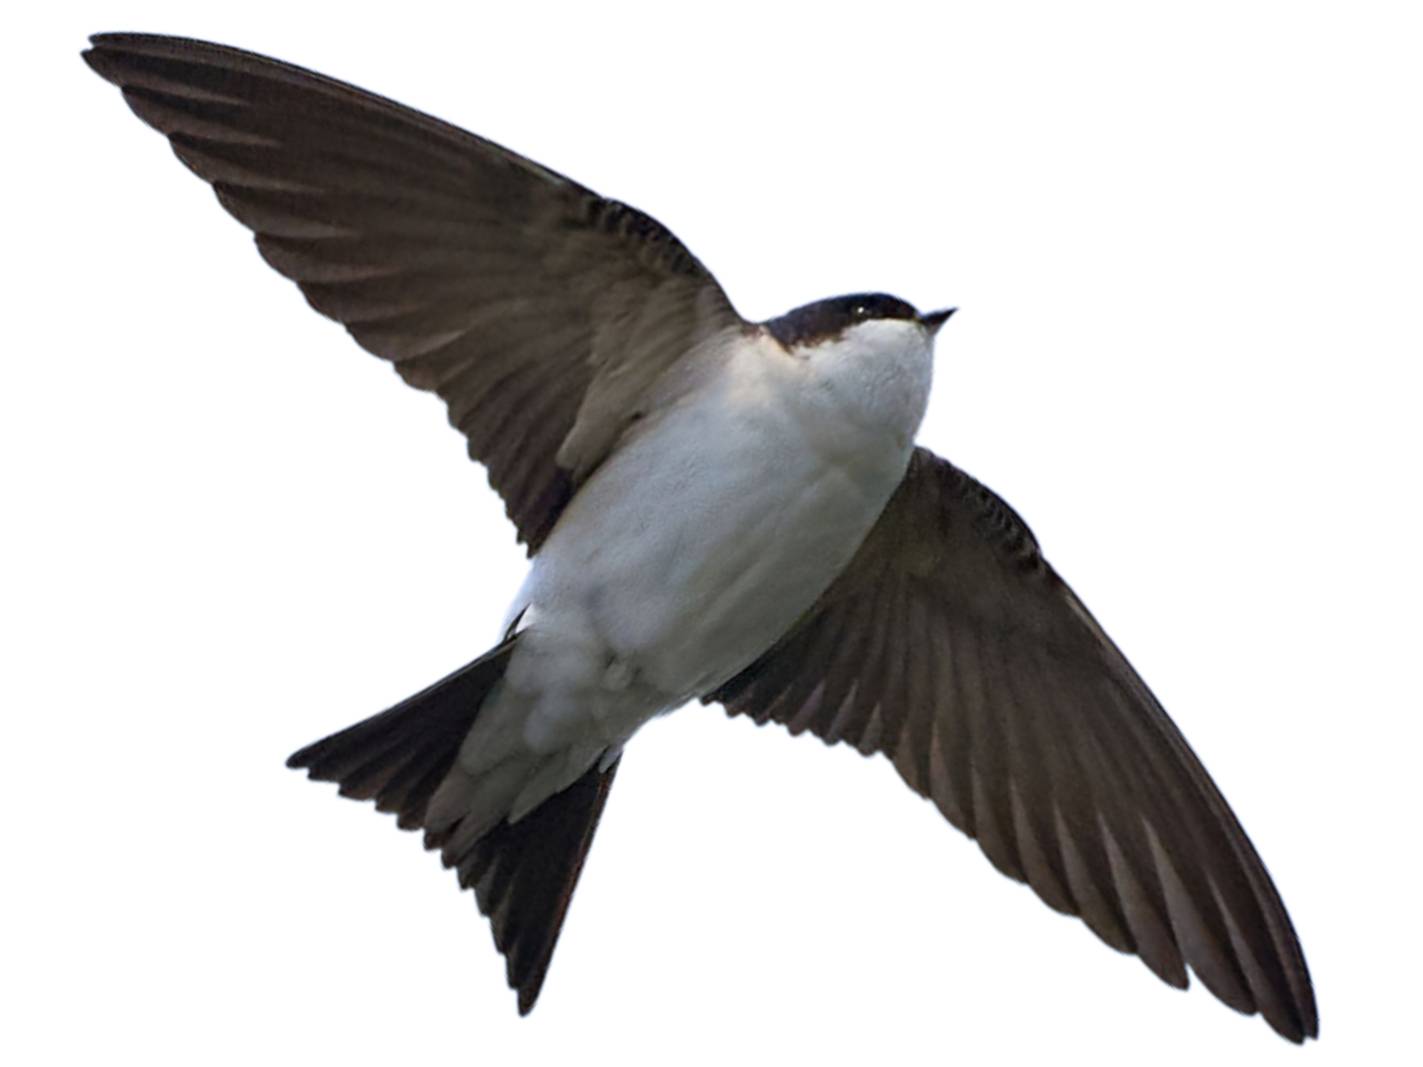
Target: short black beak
x,y
934,319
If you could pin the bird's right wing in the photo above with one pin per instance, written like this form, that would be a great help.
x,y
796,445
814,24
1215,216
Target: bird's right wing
x,y
951,646
539,311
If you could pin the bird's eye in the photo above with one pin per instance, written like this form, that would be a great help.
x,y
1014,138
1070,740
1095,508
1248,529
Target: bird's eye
x,y
860,311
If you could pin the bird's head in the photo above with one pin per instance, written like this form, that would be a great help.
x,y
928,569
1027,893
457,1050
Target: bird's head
x,y
864,321
867,357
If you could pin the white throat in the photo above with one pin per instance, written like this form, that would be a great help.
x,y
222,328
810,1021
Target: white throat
x,y
701,540
873,380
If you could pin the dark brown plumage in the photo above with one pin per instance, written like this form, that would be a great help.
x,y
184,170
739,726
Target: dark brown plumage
x,y
523,874
952,647
543,315
536,309
823,320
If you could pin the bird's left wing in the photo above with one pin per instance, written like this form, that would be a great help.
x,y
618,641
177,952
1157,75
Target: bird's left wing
x,y
951,646
540,312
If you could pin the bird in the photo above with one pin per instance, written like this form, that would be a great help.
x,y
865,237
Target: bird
x,y
716,510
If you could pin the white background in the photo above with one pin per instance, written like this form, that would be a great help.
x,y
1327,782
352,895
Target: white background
x,y
1186,246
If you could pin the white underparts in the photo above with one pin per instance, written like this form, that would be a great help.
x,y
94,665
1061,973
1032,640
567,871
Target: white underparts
x,y
691,550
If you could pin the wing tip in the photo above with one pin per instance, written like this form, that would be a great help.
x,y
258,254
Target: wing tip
x,y
100,43
1302,1023
1295,1031
107,51
94,59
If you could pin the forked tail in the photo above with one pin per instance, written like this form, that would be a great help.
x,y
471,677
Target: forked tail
x,y
523,873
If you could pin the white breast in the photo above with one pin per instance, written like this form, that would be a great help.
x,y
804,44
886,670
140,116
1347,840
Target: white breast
x,y
691,550
708,533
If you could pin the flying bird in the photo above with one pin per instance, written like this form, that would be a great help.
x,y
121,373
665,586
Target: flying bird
x,y
716,509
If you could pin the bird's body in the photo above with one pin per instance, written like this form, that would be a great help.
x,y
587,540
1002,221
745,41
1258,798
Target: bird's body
x,y
716,509
714,525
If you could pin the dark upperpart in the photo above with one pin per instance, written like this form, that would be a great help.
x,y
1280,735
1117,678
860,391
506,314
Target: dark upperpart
x,y
824,320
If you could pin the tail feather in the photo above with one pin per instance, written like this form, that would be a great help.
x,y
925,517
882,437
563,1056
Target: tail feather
x,y
523,873
398,757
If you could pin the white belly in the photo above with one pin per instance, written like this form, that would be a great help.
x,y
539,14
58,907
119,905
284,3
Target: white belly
x,y
695,546
706,536
703,542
